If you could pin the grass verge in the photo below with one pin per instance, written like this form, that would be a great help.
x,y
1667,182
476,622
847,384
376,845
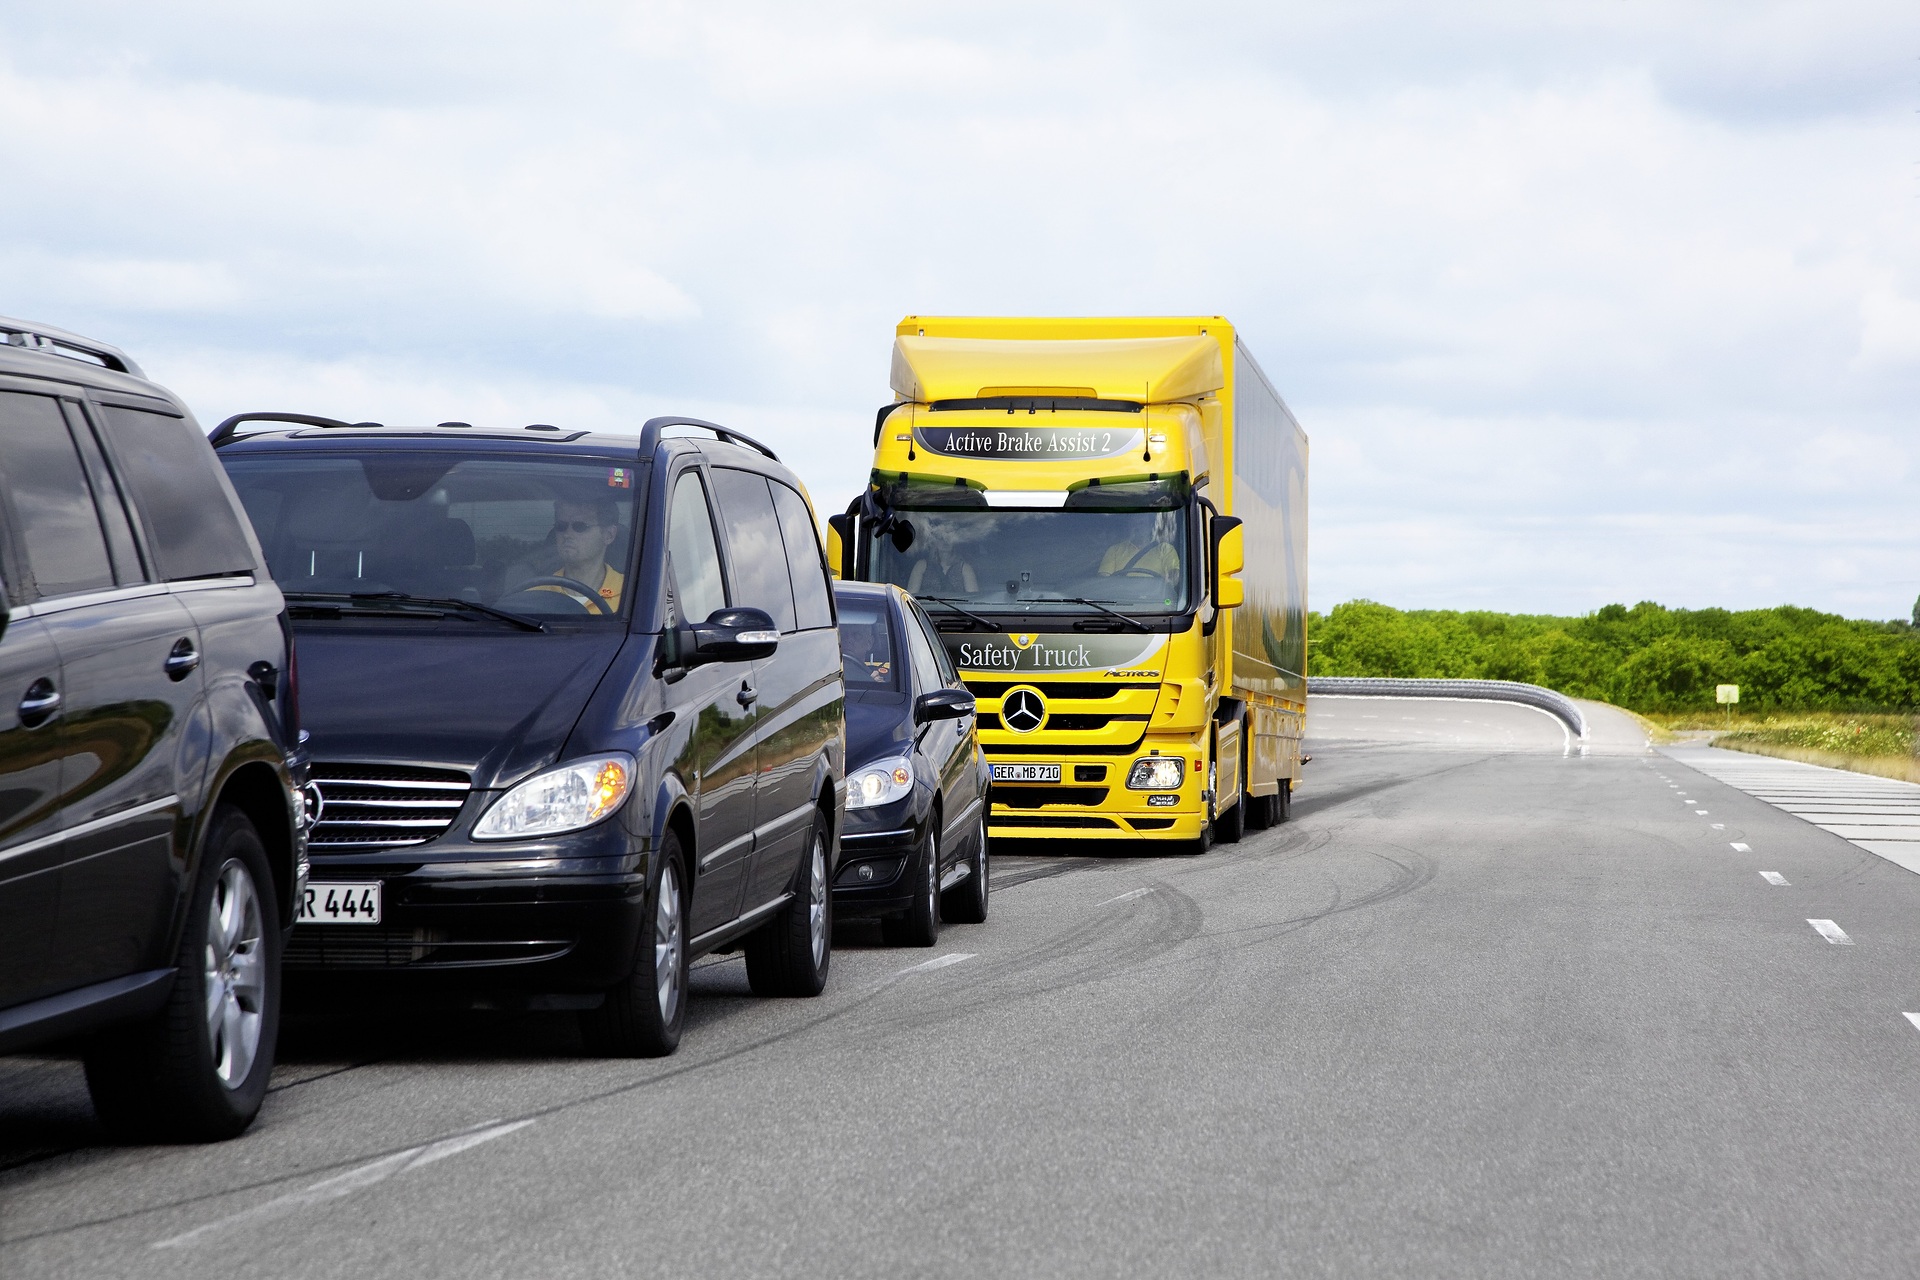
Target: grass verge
x,y
1902,768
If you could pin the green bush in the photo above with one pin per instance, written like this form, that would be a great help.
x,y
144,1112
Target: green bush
x,y
1649,658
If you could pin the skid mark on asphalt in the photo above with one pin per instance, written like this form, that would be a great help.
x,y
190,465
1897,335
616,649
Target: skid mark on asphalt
x,y
345,1184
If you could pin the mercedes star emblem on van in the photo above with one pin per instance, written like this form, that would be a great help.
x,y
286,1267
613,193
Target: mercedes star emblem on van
x,y
1023,711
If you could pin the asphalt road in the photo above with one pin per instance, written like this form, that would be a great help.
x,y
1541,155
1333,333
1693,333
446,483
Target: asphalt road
x,y
1483,1008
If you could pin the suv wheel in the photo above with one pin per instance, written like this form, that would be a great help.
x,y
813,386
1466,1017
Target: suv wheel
x,y
643,1015
920,925
789,956
966,902
198,1070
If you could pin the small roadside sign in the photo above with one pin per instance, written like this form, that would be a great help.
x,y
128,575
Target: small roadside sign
x,y
1726,693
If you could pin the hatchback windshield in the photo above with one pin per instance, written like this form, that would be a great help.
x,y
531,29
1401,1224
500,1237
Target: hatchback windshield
x,y
1040,561
546,538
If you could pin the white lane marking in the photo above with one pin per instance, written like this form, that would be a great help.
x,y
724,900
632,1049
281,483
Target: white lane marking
x,y
939,962
1831,932
345,1184
1741,848
1914,1018
1141,892
1719,826
1701,812
1774,878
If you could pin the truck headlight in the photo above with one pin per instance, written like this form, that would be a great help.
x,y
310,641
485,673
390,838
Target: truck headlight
x,y
1156,773
879,784
577,794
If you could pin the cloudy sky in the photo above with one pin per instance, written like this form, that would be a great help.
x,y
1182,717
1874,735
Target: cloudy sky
x,y
1578,303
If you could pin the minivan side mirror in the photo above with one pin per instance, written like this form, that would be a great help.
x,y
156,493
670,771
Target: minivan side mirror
x,y
942,704
734,635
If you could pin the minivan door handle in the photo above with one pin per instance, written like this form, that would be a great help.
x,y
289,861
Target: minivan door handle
x,y
39,703
746,696
181,662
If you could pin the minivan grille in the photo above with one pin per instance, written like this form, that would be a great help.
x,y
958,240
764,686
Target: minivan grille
x,y
378,806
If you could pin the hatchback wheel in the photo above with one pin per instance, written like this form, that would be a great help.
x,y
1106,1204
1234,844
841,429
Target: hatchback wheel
x,y
966,902
198,1070
790,954
919,926
642,1016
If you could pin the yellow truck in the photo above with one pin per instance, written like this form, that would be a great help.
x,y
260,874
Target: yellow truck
x,y
1107,521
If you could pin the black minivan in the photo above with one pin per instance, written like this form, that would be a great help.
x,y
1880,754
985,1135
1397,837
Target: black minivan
x,y
576,712
151,845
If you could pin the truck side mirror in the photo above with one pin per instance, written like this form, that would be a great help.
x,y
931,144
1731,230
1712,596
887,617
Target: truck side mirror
x,y
1228,557
839,537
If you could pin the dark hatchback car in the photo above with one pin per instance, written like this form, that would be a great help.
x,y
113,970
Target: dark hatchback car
x,y
576,712
915,848
151,843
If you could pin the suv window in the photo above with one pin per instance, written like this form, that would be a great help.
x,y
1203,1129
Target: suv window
x,y
693,557
754,545
55,526
191,524
812,598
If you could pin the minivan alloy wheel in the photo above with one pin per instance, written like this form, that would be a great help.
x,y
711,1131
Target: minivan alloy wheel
x,y
667,942
817,900
235,961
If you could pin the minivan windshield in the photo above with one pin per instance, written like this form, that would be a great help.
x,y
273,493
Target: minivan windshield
x,y
542,538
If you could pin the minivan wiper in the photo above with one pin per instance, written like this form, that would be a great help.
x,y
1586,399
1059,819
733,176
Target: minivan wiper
x,y
1095,604
361,599
955,606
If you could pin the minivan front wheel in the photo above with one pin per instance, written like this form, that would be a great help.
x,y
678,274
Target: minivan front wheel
x,y
790,954
198,1071
642,1016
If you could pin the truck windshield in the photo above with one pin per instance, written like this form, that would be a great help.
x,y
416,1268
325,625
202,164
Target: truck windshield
x,y
1040,561
386,533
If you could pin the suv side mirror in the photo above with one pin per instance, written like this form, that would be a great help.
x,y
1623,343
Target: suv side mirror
x,y
1228,557
942,704
734,635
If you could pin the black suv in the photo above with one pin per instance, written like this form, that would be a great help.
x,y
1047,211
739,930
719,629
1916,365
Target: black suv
x,y
151,844
576,707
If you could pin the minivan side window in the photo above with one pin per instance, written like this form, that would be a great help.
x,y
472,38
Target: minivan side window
x,y
692,555
753,545
192,527
812,598
54,521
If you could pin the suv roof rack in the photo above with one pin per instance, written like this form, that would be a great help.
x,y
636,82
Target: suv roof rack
x,y
58,342
650,434
230,429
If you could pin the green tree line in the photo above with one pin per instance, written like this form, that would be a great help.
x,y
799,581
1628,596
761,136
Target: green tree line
x,y
1647,658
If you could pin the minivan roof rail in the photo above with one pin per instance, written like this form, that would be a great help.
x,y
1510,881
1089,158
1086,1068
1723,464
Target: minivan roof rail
x,y
58,342
230,429
650,434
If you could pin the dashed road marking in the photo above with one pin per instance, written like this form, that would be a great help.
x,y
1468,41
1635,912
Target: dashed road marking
x,y
1719,826
345,1184
1914,1018
1831,932
1741,848
1141,892
1774,878
939,962
1701,812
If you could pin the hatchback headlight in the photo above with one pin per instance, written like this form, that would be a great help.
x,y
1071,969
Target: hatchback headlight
x,y
1157,773
577,794
879,784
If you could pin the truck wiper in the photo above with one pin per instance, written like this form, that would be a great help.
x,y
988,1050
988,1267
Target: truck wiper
x,y
1095,604
361,599
955,606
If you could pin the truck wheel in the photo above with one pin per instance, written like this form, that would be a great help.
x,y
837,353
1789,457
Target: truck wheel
x,y
643,1014
197,1071
789,955
920,925
966,902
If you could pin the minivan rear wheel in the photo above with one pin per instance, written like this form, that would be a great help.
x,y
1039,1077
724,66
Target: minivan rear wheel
x,y
642,1016
790,954
197,1071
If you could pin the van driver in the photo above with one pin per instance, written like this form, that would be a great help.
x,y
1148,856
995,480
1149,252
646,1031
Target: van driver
x,y
582,532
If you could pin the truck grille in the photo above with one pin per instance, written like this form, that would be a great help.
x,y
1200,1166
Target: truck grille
x,y
377,806
1030,796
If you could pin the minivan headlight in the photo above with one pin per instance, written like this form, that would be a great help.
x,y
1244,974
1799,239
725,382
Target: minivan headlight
x,y
1156,773
879,784
574,795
